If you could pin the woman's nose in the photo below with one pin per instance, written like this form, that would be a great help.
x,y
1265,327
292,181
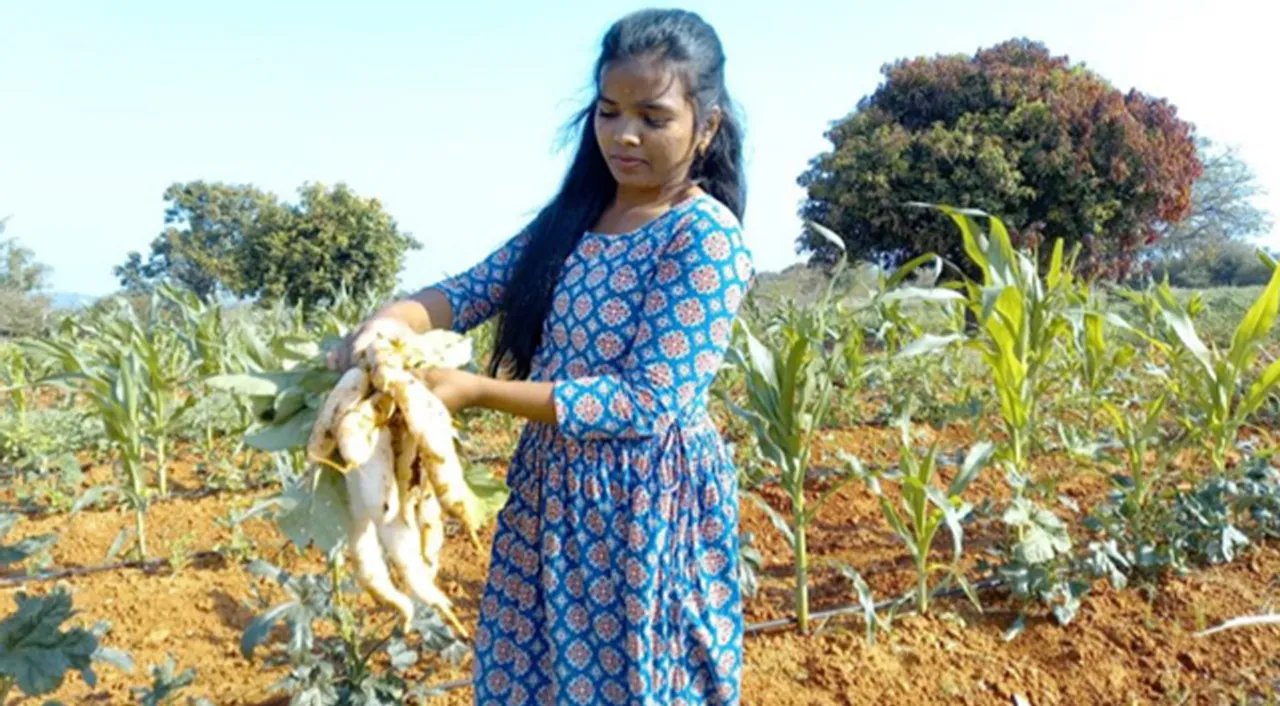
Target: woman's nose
x,y
628,135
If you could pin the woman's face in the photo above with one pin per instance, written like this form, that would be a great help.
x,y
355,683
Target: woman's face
x,y
645,125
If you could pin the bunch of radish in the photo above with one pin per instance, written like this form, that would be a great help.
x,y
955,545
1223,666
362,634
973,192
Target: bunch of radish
x,y
394,442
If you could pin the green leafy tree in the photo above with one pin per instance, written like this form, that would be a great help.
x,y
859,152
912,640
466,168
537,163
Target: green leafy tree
x,y
1011,130
22,308
238,240
19,271
333,241
202,246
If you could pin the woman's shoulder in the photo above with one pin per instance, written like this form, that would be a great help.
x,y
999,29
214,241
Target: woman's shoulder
x,y
705,212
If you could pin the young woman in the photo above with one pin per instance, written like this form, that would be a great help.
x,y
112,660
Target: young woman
x,y
612,577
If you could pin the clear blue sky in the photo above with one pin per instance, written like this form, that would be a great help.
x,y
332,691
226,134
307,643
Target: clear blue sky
x,y
448,111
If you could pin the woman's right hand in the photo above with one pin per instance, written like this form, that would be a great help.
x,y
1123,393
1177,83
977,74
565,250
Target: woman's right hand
x,y
344,355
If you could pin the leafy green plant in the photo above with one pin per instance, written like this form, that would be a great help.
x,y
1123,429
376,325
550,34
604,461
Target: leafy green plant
x,y
1039,567
1099,356
166,685
1020,317
750,563
113,386
1212,385
926,507
1136,514
36,651
788,395
342,668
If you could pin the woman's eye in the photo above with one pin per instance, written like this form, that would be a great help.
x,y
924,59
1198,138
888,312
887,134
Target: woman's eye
x,y
657,122
601,112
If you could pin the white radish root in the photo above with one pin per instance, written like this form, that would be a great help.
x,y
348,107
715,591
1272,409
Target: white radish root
x,y
350,389
429,422
366,487
403,543
397,447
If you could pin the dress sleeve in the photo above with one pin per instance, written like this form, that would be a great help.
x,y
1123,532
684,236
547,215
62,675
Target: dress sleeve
x,y
474,295
686,324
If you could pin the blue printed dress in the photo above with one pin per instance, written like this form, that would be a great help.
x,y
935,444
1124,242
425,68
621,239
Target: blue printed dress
x,y
612,578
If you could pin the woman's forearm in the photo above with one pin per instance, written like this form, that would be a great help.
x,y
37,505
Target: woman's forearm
x,y
532,400
426,310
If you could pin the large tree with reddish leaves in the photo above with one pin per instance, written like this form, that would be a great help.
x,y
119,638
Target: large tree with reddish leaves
x,y
1049,146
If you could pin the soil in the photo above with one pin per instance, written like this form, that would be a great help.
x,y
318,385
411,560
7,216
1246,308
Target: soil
x,y
1124,647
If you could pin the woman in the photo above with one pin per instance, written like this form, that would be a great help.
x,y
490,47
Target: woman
x,y
612,578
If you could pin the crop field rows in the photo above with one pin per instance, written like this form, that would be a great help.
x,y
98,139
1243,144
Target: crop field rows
x,y
1012,487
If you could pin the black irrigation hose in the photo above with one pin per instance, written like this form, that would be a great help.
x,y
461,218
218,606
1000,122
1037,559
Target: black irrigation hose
x,y
145,565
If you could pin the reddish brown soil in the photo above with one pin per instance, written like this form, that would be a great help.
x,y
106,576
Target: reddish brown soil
x,y
1123,648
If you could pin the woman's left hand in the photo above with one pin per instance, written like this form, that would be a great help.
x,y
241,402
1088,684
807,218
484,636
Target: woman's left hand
x,y
457,389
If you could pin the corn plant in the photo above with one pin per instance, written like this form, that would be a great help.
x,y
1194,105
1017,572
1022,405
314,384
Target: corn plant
x,y
1213,385
102,338
788,396
1020,316
114,389
1098,357
925,508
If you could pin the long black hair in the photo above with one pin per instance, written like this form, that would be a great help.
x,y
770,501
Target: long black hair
x,y
693,49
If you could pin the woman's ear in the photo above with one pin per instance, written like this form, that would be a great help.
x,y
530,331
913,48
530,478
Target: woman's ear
x,y
708,132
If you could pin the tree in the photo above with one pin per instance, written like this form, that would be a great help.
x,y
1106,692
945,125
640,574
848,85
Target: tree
x,y
202,245
332,241
237,239
1049,146
19,271
23,310
1223,206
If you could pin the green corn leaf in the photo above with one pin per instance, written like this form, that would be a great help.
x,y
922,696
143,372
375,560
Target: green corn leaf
x,y
827,234
1186,333
968,589
865,598
1054,275
1261,388
775,518
896,523
92,496
940,295
974,462
903,272
952,517
760,357
1256,323
926,344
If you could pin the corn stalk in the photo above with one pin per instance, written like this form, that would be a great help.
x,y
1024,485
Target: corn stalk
x,y
789,392
926,507
1213,385
115,388
1020,317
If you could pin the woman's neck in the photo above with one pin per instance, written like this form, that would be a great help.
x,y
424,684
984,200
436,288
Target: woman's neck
x,y
630,198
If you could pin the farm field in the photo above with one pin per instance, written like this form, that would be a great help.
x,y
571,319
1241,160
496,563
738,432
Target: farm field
x,y
1042,492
